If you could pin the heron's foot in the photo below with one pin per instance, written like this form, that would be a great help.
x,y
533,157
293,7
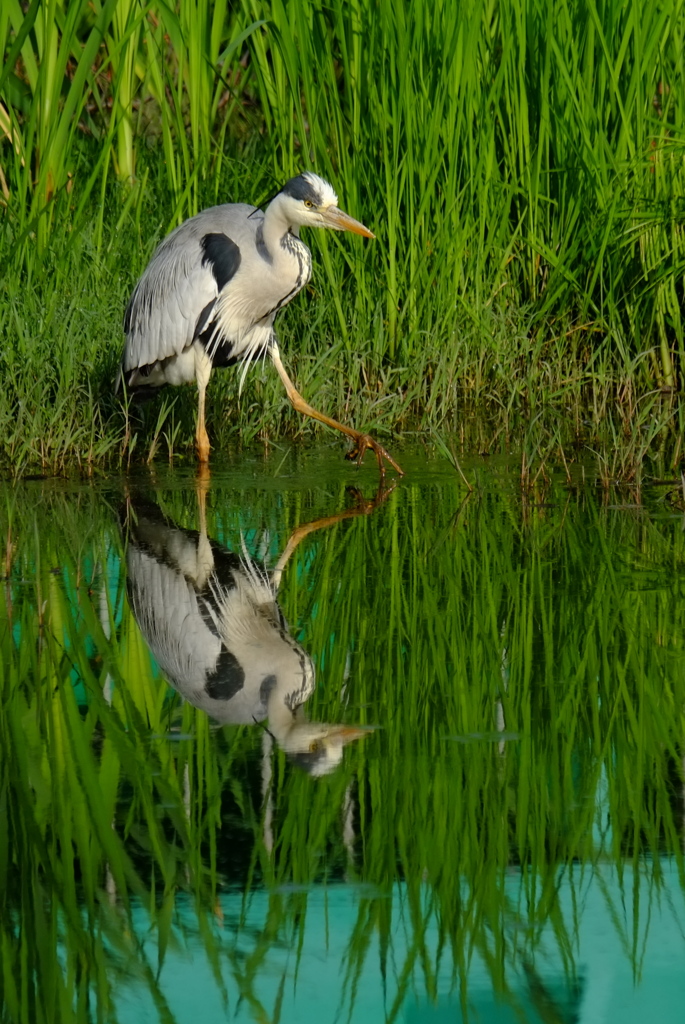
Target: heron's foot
x,y
365,506
362,442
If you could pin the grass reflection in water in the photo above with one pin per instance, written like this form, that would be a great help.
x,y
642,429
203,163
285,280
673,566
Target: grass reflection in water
x,y
523,667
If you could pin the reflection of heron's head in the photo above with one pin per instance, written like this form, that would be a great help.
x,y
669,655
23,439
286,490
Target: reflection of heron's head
x,y
316,747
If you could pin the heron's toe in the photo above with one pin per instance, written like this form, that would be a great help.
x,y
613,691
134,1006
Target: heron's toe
x,y
364,442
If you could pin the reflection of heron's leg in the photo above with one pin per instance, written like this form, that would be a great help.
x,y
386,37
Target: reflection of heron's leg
x,y
186,806
361,441
202,481
348,829
205,558
362,508
267,790
105,622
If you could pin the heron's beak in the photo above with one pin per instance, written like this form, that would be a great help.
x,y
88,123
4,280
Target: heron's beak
x,y
341,221
344,734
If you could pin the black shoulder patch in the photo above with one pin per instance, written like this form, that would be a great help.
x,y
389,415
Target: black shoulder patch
x,y
300,188
222,255
227,678
261,245
204,317
267,685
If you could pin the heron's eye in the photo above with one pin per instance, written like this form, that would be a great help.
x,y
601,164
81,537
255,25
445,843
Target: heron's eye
x,y
314,745
308,204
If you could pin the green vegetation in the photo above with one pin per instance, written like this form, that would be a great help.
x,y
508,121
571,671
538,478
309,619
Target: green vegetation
x,y
522,164
452,625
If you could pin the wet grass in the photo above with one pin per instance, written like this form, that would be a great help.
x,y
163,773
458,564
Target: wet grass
x,y
522,656
521,166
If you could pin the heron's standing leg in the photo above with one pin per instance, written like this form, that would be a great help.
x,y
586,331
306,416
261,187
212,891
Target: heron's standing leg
x,y
361,441
203,369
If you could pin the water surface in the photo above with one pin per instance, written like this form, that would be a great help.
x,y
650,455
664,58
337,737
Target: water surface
x,y
276,750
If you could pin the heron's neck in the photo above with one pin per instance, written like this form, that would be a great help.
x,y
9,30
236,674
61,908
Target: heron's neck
x,y
294,681
282,720
280,238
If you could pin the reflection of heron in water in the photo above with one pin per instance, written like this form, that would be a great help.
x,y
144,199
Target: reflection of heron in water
x,y
212,621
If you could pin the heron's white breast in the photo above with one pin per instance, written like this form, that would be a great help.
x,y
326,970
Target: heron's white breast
x,y
262,286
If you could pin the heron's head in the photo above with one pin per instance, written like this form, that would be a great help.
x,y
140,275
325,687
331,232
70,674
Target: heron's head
x,y
309,201
317,748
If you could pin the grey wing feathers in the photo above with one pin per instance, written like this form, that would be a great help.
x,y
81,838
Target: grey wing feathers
x,y
161,317
175,295
165,605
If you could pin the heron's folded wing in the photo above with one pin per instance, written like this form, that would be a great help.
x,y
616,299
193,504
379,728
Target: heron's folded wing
x,y
177,289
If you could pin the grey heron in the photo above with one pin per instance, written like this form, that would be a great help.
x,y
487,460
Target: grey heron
x,y
212,290
213,623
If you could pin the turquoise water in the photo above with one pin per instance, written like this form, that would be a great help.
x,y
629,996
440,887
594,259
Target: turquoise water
x,y
273,749
315,981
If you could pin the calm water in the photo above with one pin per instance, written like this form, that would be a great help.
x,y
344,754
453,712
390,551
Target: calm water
x,y
274,750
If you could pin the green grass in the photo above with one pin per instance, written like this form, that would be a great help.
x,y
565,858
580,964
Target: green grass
x,y
521,165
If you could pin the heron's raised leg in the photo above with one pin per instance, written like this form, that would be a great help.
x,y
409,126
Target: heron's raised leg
x,y
203,369
361,441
